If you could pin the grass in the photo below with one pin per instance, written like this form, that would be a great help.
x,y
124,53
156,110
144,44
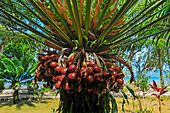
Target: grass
x,y
45,106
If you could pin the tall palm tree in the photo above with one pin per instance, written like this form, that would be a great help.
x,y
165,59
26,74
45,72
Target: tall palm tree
x,y
89,28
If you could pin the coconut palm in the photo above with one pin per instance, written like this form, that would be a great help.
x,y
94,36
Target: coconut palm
x,y
89,29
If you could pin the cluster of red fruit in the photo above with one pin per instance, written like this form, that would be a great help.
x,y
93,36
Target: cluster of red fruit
x,y
89,76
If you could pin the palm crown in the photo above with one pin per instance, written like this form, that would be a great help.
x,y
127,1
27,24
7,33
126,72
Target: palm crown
x,y
95,25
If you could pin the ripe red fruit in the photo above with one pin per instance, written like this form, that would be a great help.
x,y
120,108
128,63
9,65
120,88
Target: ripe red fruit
x,y
112,67
72,76
120,81
69,63
113,77
91,64
106,74
84,74
108,64
52,57
89,70
72,68
61,78
120,75
56,78
58,69
56,59
110,70
114,73
96,69
90,78
63,71
117,69
53,64
57,85
71,58
67,86
47,63
97,76
82,69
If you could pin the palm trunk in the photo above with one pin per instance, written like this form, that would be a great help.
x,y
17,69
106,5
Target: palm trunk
x,y
160,68
16,96
2,46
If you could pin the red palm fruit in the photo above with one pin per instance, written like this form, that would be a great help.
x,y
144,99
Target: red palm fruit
x,y
71,58
58,69
89,70
117,69
56,59
57,85
53,57
79,89
96,69
53,64
114,73
56,78
82,69
78,80
91,64
67,86
72,76
113,67
38,63
97,76
120,81
113,77
72,68
108,64
90,78
64,70
110,70
120,75
113,80
61,78
106,74
84,74
47,63
69,63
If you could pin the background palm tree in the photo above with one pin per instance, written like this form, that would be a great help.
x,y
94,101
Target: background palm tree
x,y
17,72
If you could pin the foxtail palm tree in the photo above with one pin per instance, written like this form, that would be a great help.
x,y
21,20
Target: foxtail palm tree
x,y
86,30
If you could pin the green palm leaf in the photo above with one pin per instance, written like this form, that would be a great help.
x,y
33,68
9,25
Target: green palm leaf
x,y
20,71
9,64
